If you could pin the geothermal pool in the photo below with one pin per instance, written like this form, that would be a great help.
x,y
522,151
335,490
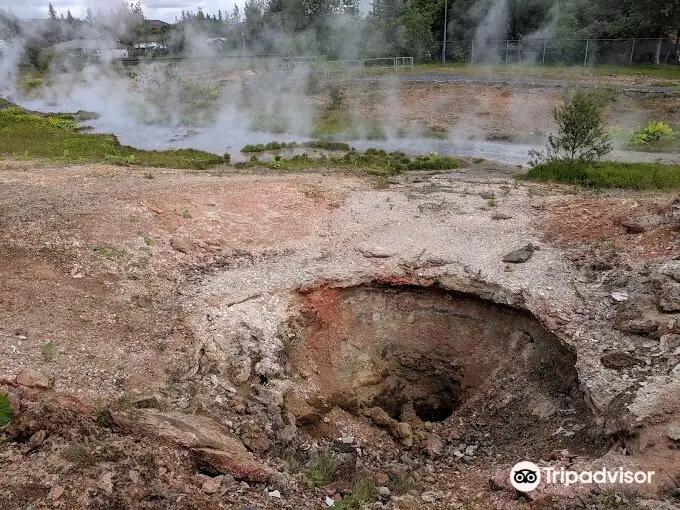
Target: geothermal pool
x,y
231,132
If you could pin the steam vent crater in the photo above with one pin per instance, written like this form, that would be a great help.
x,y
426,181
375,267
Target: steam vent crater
x,y
434,354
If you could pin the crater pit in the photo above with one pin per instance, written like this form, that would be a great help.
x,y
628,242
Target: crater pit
x,y
426,354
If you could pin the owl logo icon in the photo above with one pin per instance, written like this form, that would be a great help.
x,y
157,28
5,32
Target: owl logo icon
x,y
525,476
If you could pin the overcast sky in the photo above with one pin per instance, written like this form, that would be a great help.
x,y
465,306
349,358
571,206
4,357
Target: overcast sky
x,y
153,9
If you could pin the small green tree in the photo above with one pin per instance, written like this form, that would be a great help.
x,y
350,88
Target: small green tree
x,y
580,132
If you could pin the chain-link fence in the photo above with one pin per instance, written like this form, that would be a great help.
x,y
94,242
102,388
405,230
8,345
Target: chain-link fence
x,y
565,51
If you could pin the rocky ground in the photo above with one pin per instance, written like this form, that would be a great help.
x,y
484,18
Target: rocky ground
x,y
500,112
256,340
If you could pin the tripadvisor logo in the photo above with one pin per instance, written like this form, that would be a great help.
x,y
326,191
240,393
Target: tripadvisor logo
x,y
525,476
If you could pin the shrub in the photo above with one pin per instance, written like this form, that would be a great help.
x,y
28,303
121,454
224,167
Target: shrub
x,y
581,135
654,131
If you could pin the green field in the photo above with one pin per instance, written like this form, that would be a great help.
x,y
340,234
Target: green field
x,y
638,176
56,137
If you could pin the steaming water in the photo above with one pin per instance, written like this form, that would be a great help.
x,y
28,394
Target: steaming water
x,y
232,132
230,137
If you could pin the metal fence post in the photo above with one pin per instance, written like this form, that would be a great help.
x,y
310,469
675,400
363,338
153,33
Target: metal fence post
x,y
472,52
395,65
632,50
545,42
446,15
507,44
585,59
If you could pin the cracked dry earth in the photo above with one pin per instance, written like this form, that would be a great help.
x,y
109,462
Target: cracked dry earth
x,y
175,340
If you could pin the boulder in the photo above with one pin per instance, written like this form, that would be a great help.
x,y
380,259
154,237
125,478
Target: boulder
x,y
521,254
214,448
33,379
668,295
670,343
639,224
379,416
402,431
240,465
637,315
619,360
673,431
254,437
670,268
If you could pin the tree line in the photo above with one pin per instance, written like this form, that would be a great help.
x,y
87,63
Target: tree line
x,y
337,28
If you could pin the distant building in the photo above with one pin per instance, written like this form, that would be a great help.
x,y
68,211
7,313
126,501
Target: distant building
x,y
151,46
92,48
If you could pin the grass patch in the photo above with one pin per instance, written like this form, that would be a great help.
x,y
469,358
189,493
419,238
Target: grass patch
x,y
669,72
56,137
6,410
271,146
47,350
329,145
437,132
322,470
603,174
373,161
363,493
109,252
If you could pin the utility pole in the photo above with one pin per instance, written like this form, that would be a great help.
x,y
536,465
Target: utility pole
x,y
446,16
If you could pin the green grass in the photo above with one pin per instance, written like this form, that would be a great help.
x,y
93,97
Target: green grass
x,y
666,83
271,146
363,493
373,161
47,350
109,252
6,410
25,134
636,176
329,145
322,470
662,71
